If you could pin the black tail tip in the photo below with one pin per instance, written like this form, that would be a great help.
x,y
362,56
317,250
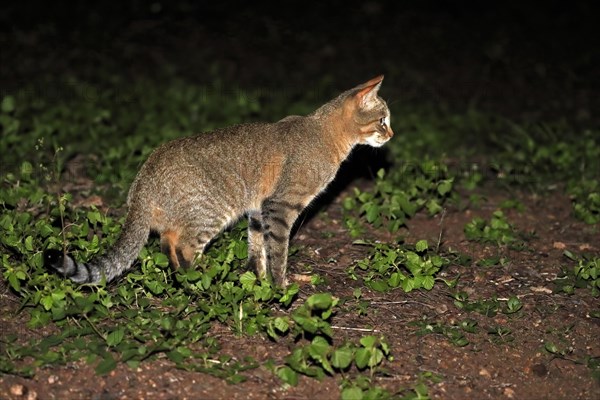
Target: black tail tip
x,y
54,259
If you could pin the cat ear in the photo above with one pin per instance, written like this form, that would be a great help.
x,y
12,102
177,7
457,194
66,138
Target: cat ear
x,y
366,96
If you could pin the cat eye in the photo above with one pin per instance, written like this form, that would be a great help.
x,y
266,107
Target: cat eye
x,y
382,121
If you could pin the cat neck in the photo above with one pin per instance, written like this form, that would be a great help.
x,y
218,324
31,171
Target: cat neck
x,y
336,125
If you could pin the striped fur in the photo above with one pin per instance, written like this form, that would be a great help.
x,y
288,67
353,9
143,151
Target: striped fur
x,y
192,188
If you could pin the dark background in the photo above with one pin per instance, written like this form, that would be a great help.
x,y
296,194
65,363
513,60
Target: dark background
x,y
526,60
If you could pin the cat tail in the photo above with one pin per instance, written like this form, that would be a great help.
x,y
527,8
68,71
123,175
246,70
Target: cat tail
x,y
115,262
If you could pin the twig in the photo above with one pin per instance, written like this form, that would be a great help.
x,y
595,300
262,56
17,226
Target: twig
x,y
102,336
347,328
439,242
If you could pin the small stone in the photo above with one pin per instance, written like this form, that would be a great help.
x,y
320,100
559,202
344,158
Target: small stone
x,y
441,308
52,379
485,373
301,278
540,289
508,392
17,390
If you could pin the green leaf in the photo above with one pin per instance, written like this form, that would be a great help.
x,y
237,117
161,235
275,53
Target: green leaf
x,y
58,314
167,323
349,203
395,279
513,305
94,216
306,323
290,293
115,337
433,207
14,282
372,213
155,287
379,286
421,246
368,341
408,285
320,301
176,356
421,391
281,324
58,295
319,346
38,318
206,281
551,347
26,168
428,282
193,275
362,357
288,375
352,393
342,357
318,350
445,186
160,259
47,302
106,365
570,255
248,279
240,250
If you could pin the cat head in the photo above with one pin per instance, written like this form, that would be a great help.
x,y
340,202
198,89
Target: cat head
x,y
369,113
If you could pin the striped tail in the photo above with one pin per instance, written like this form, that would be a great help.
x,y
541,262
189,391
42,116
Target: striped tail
x,y
110,265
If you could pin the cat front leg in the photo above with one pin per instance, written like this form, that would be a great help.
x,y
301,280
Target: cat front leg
x,y
257,253
278,218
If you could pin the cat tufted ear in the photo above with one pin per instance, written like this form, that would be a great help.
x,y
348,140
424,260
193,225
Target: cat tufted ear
x,y
366,96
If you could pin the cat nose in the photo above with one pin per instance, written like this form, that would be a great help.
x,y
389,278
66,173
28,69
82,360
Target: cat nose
x,y
390,132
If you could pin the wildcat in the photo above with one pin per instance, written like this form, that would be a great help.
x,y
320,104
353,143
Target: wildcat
x,y
192,188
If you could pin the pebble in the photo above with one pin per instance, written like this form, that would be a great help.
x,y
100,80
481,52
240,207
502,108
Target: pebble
x,y
485,373
21,390
17,390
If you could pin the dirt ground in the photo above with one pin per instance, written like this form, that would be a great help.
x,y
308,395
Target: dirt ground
x,y
435,67
489,367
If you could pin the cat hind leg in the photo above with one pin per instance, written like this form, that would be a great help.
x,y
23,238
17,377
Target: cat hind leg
x,y
180,250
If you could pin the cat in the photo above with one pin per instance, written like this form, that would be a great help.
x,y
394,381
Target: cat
x,y
192,188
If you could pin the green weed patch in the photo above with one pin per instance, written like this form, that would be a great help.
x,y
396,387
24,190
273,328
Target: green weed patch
x,y
389,267
542,156
398,196
497,230
584,274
